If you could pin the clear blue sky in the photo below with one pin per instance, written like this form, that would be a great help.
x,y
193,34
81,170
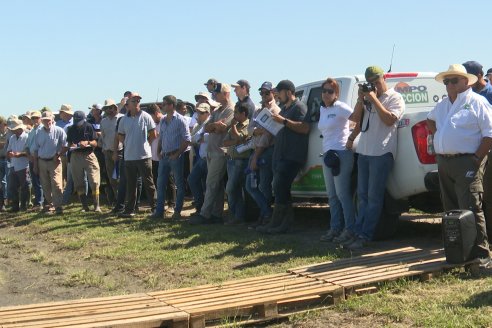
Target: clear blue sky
x,y
82,52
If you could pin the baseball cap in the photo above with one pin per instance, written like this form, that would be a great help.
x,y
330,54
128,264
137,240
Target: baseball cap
x,y
211,81
285,85
96,106
266,85
373,72
78,116
47,115
489,71
473,67
241,83
203,107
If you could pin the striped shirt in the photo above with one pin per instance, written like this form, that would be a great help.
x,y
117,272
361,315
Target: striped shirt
x,y
173,133
48,143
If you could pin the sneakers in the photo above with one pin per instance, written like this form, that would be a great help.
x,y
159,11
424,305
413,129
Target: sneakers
x,y
59,211
357,244
485,263
343,237
329,236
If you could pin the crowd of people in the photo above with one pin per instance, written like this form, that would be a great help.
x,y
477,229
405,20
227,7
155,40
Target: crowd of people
x,y
220,149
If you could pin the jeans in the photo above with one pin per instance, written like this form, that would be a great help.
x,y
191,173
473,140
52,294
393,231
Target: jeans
x,y
36,186
342,210
166,167
3,178
69,187
263,194
197,181
234,187
285,171
373,172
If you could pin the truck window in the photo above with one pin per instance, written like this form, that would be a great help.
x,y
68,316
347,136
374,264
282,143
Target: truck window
x,y
314,102
299,94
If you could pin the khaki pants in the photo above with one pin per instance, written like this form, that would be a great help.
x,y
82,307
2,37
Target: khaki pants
x,y
80,162
461,188
50,174
213,204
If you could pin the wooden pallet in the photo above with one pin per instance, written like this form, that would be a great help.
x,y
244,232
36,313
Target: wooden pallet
x,y
362,274
138,310
261,298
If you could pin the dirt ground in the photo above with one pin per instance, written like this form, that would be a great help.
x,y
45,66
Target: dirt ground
x,y
25,279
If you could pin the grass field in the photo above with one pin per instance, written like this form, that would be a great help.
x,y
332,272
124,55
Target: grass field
x,y
78,255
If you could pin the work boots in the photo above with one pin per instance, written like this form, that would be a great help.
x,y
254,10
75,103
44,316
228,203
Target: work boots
x,y
287,220
276,220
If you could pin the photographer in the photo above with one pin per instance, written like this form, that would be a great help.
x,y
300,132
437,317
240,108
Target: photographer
x,y
378,110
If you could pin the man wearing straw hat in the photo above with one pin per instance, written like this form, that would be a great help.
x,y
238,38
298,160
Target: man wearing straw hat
x,y
19,181
462,128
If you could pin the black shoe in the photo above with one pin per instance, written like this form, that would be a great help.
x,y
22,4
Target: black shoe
x,y
117,210
216,220
59,211
126,215
199,219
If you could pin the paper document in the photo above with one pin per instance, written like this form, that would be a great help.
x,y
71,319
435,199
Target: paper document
x,y
264,119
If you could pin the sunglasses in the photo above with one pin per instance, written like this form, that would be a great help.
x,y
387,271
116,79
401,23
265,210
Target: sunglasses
x,y
200,113
135,101
265,93
328,91
454,80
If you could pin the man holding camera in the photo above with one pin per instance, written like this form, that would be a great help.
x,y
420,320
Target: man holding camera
x,y
378,110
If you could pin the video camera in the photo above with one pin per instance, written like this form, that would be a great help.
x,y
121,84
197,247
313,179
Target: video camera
x,y
368,87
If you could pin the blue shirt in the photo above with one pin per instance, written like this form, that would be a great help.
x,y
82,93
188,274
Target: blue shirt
x,y
61,123
30,138
48,143
487,92
136,129
173,133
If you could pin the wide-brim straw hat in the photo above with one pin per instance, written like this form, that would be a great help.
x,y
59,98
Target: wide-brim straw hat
x,y
456,69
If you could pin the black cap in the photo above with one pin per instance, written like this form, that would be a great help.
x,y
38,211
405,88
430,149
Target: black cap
x,y
211,81
285,85
266,85
78,116
489,71
473,67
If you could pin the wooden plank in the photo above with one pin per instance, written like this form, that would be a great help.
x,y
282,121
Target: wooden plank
x,y
367,270
106,319
364,257
88,309
368,262
287,285
254,293
231,284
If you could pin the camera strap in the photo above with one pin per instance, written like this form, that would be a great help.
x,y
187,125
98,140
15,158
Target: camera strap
x,y
367,106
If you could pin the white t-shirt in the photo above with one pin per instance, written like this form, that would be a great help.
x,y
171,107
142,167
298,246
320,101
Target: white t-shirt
x,y
334,125
155,143
380,138
461,125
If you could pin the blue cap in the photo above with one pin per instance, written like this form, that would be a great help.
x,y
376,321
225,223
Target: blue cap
x,y
266,85
473,67
78,116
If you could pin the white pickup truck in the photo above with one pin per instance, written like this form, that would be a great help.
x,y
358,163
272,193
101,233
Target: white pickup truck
x,y
413,181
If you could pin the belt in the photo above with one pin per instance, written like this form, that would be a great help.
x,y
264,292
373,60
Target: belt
x,y
171,153
47,159
3,157
454,155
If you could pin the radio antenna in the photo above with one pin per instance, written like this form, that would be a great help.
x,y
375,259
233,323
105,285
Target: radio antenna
x,y
391,62
157,96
